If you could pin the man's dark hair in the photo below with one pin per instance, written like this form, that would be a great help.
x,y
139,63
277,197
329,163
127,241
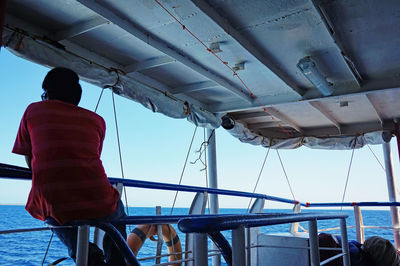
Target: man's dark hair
x,y
62,84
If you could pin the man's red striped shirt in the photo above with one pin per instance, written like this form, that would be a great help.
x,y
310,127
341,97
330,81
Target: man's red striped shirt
x,y
68,178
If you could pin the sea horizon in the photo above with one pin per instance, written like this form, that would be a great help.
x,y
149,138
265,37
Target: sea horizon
x,y
18,249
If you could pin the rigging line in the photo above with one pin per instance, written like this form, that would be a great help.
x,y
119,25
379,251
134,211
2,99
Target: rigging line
x,y
206,168
184,167
47,250
287,179
203,149
259,175
383,168
373,153
120,154
235,74
98,101
348,173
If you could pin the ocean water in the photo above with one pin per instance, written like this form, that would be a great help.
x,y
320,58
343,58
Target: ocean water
x,y
29,248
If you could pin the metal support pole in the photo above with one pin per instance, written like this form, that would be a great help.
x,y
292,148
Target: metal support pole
x,y
313,236
294,227
82,247
213,181
252,234
391,185
359,224
200,250
238,247
345,242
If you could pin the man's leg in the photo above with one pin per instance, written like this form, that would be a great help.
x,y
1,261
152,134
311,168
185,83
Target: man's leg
x,y
69,237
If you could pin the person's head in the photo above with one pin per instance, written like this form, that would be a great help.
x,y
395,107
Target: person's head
x,y
62,84
380,251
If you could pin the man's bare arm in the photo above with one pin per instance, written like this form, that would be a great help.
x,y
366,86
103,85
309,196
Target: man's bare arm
x,y
28,159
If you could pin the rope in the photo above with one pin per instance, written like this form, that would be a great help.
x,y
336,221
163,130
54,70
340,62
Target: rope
x,y
120,155
202,149
259,175
48,246
206,168
97,105
184,167
287,179
348,173
373,153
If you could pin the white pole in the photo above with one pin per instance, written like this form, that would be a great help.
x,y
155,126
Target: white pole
x,y
213,182
391,185
359,224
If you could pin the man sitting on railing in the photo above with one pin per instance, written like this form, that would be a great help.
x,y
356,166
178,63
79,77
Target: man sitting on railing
x,y
62,144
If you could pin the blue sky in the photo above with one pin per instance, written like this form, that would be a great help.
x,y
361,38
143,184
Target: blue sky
x,y
154,148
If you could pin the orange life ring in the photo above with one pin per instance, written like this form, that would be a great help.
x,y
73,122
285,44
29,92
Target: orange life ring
x,y
141,232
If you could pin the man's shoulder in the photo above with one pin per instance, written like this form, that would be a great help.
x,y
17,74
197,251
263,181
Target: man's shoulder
x,y
62,107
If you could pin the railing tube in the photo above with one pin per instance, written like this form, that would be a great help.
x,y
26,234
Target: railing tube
x,y
313,236
82,248
345,243
238,247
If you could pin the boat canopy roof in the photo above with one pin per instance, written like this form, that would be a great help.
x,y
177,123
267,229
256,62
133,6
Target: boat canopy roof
x,y
279,73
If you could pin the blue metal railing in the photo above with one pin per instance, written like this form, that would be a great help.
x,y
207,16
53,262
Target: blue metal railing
x,y
165,186
351,204
204,224
16,172
235,255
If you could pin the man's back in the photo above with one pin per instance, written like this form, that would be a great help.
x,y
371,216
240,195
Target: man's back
x,y
65,142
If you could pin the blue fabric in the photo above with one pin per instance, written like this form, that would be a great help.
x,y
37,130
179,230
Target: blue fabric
x,y
112,255
355,252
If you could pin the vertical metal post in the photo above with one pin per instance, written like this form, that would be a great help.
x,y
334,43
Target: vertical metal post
x,y
213,181
252,234
238,247
159,238
359,224
200,250
313,236
82,247
345,242
391,185
294,227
